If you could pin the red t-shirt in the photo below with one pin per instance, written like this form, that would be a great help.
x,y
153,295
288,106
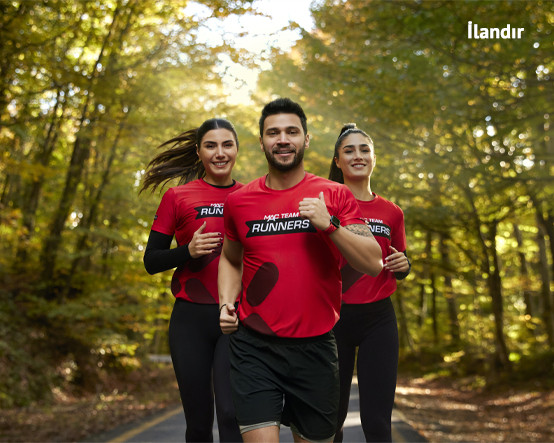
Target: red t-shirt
x,y
182,211
291,278
386,221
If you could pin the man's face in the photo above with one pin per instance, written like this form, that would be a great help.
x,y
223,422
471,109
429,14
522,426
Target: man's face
x,y
283,141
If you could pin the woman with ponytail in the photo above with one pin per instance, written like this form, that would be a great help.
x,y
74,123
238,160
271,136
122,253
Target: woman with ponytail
x,y
192,212
367,317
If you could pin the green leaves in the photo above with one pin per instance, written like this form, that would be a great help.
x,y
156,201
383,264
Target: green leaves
x,y
458,124
88,90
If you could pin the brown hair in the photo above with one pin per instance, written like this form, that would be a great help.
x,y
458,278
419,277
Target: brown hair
x,y
335,173
283,106
181,159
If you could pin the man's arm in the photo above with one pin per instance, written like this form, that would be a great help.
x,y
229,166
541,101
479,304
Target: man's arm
x,y
360,249
229,279
355,242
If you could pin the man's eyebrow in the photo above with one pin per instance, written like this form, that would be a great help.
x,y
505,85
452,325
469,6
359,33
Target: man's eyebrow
x,y
278,128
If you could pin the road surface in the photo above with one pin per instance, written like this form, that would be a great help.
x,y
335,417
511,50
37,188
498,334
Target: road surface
x,y
169,426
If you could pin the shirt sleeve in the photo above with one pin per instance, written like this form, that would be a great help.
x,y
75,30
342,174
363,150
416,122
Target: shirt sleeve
x,y
398,237
159,257
398,241
347,209
229,223
165,219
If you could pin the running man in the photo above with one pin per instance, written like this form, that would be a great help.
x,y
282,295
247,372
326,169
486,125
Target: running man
x,y
284,235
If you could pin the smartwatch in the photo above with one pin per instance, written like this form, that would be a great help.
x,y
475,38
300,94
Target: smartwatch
x,y
333,225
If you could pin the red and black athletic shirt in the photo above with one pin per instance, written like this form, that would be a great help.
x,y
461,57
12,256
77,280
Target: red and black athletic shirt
x,y
182,211
386,221
291,276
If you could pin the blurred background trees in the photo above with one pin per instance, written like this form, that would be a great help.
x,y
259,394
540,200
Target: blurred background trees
x,y
464,145
462,134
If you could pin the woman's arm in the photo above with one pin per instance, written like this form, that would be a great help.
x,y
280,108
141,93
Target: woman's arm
x,y
158,256
398,263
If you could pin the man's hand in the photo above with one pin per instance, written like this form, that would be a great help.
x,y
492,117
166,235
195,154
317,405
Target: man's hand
x,y
228,319
204,244
315,210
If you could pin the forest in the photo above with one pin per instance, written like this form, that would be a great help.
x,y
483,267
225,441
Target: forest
x,y
462,133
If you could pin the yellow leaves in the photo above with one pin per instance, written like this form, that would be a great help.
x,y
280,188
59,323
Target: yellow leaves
x,y
454,357
10,223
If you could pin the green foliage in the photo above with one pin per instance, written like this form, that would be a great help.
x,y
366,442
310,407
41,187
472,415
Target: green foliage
x,y
88,91
25,373
463,140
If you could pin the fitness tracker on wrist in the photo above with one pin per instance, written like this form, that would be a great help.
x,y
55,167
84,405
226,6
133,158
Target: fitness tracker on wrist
x,y
334,224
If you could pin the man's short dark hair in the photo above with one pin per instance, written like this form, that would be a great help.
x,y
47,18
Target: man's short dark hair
x,y
283,106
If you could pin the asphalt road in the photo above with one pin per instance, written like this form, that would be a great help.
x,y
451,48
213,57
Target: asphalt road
x,y
169,426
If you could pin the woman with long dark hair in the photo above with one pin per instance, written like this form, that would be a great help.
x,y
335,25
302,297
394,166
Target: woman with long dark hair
x,y
367,318
192,212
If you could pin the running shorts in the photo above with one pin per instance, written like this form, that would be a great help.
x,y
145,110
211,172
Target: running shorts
x,y
301,372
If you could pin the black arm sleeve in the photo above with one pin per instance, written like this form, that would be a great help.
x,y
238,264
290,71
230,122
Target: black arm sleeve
x,y
403,275
159,257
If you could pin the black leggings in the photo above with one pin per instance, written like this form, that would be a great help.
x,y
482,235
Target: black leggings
x,y
198,350
372,328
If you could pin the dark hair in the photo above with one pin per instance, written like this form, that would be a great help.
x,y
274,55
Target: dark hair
x,y
335,173
283,106
181,160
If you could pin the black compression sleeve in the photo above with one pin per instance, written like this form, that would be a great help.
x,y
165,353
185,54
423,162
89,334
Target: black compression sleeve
x,y
403,275
159,257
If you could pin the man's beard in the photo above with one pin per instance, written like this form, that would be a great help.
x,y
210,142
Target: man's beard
x,y
284,167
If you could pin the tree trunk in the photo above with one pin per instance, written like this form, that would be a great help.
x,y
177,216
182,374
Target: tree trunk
x,y
6,67
12,193
404,337
549,228
545,286
434,316
491,269
82,247
422,305
32,196
524,274
495,289
545,219
81,152
453,323
427,271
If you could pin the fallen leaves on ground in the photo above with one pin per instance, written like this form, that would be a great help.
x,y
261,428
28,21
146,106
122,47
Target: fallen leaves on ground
x,y
442,410
72,418
446,410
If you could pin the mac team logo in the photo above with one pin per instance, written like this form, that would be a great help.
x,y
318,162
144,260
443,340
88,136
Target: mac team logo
x,y
213,210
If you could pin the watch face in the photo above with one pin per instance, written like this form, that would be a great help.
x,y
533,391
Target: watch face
x,y
335,221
